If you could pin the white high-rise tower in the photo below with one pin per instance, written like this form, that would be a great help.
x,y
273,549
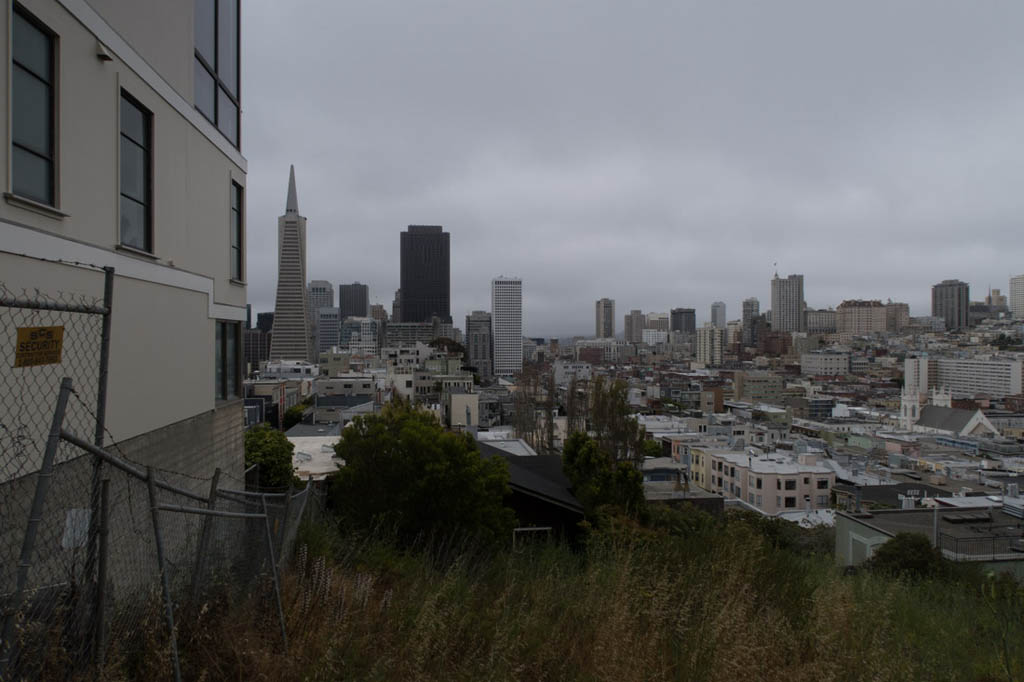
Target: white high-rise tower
x,y
291,333
507,324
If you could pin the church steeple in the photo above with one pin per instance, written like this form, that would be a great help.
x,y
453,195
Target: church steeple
x,y
292,205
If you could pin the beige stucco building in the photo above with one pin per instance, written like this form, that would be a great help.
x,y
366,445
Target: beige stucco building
x,y
123,151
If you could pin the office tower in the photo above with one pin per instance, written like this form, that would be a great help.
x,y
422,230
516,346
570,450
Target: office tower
x,y
633,326
396,306
658,321
751,309
788,304
360,335
479,350
319,294
951,301
257,348
248,315
684,320
507,325
354,300
1017,297
897,316
425,274
604,319
265,322
328,326
718,314
291,312
710,345
377,312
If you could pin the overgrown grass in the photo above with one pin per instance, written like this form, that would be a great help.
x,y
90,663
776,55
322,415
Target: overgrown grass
x,y
695,601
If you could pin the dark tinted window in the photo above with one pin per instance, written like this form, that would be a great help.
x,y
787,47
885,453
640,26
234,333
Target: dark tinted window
x,y
136,124
32,148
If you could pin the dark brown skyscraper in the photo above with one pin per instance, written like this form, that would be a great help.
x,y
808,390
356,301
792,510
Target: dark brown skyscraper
x,y
425,274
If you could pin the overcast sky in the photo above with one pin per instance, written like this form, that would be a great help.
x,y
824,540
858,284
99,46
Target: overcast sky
x,y
662,153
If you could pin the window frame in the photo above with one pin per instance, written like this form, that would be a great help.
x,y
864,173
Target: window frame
x,y
17,9
147,115
236,266
219,85
222,392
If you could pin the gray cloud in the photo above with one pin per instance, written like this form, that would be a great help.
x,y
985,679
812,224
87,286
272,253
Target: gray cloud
x,y
662,154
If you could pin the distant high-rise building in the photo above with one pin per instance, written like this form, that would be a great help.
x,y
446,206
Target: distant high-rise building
x,y
1017,297
290,340
378,312
951,301
328,328
353,300
604,319
788,304
479,343
710,345
319,294
657,321
265,322
718,314
396,306
507,325
248,315
897,316
257,348
360,335
683,320
633,326
751,309
425,274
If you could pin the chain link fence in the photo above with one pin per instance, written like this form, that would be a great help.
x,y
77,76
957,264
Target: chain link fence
x,y
93,546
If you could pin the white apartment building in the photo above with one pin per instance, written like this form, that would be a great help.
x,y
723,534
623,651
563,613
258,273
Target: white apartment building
x,y
1017,297
122,151
507,325
771,483
653,337
995,376
710,345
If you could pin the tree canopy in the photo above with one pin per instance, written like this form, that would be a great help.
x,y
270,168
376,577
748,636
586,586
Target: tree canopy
x,y
599,480
272,451
403,471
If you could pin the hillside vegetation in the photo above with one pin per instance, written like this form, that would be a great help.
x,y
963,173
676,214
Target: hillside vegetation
x,y
687,597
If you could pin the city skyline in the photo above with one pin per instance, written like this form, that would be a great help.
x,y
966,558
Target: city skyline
x,y
787,143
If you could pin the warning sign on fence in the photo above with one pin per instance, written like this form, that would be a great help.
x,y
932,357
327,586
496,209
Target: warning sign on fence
x,y
38,346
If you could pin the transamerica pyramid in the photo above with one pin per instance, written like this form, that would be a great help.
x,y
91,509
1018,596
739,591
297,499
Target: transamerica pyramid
x,y
290,339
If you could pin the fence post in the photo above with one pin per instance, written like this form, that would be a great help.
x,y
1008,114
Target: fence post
x,y
284,520
273,568
43,479
165,581
101,577
98,437
204,537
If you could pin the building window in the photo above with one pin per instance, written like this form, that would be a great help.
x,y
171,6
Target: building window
x,y
807,481
216,64
778,501
227,361
758,502
32,109
790,502
759,484
790,484
822,484
237,253
822,500
136,188
778,484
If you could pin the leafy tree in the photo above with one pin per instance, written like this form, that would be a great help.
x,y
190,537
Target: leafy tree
x,y
908,554
611,419
403,471
292,416
650,448
450,346
272,451
599,480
